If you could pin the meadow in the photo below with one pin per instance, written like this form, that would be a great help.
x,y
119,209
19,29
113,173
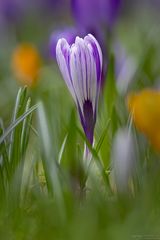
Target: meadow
x,y
70,170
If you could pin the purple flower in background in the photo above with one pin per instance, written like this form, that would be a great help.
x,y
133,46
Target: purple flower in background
x,y
92,14
12,10
125,68
69,34
8,10
51,3
81,68
55,7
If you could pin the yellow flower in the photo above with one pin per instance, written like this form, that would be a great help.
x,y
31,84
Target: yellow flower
x,y
26,63
145,109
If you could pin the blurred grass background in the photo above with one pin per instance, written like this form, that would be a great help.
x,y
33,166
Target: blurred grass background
x,y
41,143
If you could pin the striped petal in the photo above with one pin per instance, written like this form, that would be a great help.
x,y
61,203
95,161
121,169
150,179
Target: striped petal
x,y
63,55
81,68
97,53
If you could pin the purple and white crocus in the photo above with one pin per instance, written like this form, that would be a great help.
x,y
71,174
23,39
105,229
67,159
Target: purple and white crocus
x,y
81,68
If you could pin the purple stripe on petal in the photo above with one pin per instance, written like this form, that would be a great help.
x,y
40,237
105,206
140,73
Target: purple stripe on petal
x,y
88,120
65,50
97,60
84,62
97,56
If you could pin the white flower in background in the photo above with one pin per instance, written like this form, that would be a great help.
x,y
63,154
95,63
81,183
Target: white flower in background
x,y
123,158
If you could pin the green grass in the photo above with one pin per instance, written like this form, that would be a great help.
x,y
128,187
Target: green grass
x,y
43,181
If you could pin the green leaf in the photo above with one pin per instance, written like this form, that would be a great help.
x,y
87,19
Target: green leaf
x,y
62,149
26,128
50,164
17,122
96,159
110,88
4,154
101,140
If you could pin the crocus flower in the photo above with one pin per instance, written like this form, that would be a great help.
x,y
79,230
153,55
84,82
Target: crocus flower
x,y
26,64
81,68
145,109
69,33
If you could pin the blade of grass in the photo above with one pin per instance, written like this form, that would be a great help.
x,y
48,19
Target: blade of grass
x,y
110,91
96,158
4,153
26,128
20,103
49,161
104,133
17,121
62,149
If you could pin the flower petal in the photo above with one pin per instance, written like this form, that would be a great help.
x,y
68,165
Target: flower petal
x,y
75,66
97,53
63,55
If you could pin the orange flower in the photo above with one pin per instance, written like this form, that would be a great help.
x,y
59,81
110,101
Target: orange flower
x,y
145,109
26,63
